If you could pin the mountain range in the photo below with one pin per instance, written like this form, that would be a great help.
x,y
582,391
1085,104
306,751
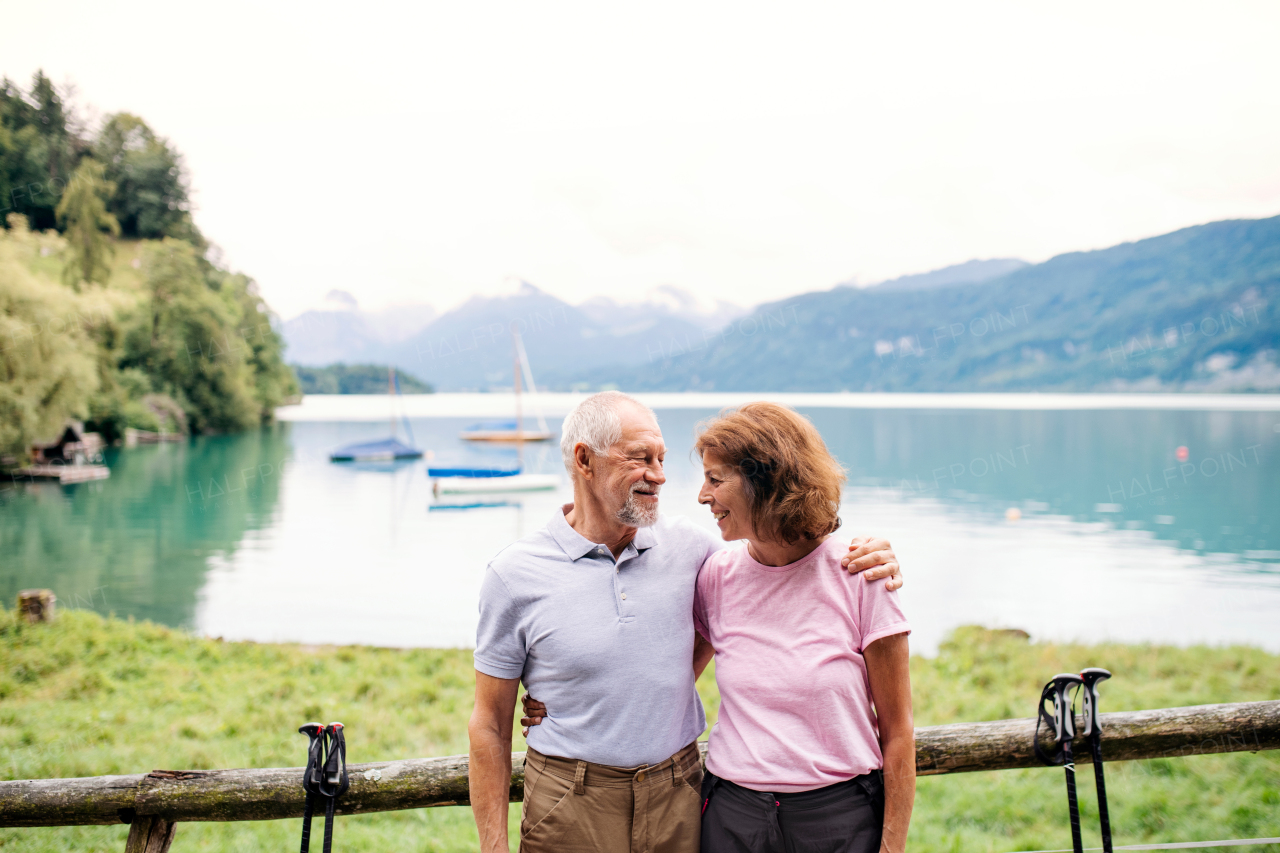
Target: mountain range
x,y
469,348
1194,310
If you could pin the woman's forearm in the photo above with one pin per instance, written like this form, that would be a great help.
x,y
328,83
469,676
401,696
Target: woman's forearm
x,y
899,790
889,673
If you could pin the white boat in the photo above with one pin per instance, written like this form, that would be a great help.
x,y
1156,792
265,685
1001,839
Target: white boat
x,y
491,485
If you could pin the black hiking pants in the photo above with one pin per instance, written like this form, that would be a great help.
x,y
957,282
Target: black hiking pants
x,y
846,817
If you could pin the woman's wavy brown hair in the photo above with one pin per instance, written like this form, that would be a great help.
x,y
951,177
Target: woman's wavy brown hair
x,y
789,476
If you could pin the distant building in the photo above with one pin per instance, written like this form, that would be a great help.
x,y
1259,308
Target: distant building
x,y
73,447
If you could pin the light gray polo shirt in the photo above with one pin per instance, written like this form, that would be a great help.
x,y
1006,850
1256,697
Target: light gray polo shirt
x,y
607,646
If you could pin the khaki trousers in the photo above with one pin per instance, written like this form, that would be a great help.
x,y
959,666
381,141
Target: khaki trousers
x,y
574,806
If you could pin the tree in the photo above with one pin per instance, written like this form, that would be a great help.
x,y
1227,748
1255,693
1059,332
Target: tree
x,y
37,150
151,199
274,381
86,224
186,337
47,356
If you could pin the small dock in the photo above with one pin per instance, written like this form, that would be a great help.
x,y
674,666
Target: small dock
x,y
75,456
64,473
134,437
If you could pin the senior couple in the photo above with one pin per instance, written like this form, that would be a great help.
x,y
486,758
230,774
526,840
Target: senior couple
x,y
610,612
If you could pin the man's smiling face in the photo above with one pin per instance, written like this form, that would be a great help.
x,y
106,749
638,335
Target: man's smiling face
x,y
631,472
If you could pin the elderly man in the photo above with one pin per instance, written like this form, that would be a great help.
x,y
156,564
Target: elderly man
x,y
595,613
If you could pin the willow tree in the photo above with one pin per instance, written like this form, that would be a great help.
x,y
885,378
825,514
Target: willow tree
x,y
86,224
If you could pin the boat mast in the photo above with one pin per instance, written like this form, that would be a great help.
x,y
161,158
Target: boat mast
x,y
528,378
391,398
515,363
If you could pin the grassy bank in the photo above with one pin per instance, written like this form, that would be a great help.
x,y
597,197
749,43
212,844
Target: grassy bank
x,y
91,696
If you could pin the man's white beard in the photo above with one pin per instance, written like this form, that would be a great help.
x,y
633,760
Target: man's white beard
x,y
638,513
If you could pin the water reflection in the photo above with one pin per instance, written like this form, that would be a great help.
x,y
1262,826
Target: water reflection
x,y
139,543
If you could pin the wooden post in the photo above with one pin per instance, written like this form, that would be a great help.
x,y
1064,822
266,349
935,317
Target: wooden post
x,y
37,605
150,834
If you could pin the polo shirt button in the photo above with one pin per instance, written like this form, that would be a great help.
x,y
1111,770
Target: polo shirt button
x,y
624,596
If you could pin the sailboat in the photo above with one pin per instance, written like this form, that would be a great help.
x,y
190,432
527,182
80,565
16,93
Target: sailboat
x,y
387,449
480,480
470,481
513,430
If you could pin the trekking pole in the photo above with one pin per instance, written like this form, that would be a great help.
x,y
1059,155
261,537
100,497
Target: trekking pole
x,y
333,780
311,776
1093,731
1063,723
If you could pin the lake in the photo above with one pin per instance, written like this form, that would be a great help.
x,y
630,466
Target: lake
x,y
1069,516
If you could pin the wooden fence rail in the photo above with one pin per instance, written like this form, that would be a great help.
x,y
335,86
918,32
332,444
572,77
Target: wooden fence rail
x,y
155,801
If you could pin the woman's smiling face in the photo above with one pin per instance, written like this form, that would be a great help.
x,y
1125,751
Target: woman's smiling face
x,y
724,493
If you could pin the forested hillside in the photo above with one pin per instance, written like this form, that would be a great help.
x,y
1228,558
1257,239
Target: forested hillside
x,y
1195,310
110,311
356,379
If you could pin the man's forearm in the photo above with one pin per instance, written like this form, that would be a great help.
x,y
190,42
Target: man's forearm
x,y
490,785
899,791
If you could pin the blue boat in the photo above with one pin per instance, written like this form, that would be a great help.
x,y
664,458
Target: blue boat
x,y
387,449
472,472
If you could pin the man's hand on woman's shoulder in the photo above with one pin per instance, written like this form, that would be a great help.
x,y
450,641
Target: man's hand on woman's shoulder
x,y
873,557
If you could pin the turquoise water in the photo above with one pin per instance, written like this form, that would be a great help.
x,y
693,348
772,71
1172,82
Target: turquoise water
x,y
258,536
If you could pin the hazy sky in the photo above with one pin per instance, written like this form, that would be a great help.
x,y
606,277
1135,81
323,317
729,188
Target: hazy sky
x,y
743,151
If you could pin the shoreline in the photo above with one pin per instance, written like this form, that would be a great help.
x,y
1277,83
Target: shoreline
x,y
377,407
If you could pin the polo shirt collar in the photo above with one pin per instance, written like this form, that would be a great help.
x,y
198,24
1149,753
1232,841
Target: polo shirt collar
x,y
576,546
645,539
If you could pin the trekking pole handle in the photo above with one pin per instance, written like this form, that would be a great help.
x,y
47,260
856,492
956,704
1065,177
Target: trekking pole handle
x,y
1064,720
335,766
1091,678
315,756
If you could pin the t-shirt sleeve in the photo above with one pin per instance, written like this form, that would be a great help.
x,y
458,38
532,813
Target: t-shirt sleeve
x,y
881,613
500,646
710,545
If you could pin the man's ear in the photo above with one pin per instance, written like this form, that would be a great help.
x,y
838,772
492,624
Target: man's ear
x,y
582,460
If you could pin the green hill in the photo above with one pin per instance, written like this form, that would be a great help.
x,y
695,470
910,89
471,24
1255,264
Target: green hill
x,y
145,332
166,330
1195,310
355,379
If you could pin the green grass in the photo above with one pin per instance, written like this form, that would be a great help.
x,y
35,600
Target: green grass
x,y
92,696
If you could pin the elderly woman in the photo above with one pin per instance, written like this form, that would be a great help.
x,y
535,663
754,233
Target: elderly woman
x,y
814,748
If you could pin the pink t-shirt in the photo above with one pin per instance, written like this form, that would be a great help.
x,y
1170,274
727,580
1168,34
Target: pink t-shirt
x,y
795,703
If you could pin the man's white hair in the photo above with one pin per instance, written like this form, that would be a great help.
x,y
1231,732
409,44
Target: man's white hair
x,y
595,422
